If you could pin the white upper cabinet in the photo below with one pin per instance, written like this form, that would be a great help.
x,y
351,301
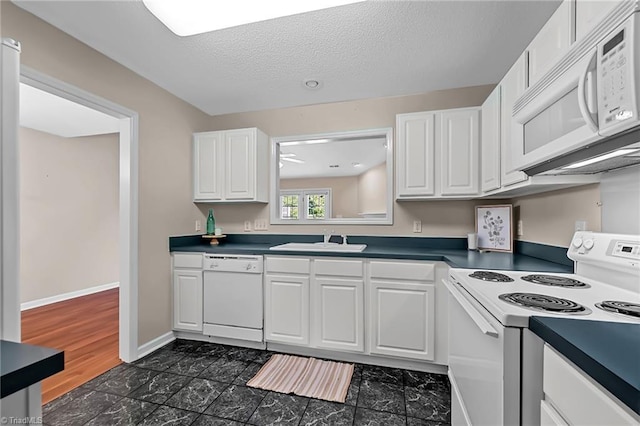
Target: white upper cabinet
x,y
416,154
490,152
459,159
553,40
589,13
230,166
437,154
208,156
512,87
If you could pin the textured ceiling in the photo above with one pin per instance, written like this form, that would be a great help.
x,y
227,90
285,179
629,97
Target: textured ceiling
x,y
50,113
364,50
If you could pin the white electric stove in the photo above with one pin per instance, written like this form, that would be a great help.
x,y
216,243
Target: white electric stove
x,y
494,358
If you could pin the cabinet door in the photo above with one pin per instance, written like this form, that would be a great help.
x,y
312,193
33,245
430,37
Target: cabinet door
x,y
553,40
287,309
402,319
416,155
589,13
187,300
208,166
459,138
490,170
240,182
338,320
512,86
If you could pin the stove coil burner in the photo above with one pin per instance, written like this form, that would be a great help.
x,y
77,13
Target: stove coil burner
x,y
554,280
544,303
491,276
625,308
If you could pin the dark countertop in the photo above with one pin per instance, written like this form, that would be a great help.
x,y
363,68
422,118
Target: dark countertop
x,y
23,365
609,352
449,250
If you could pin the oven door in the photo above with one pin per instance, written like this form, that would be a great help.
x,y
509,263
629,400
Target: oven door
x,y
558,118
484,364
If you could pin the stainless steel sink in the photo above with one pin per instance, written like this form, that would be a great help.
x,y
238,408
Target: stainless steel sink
x,y
335,247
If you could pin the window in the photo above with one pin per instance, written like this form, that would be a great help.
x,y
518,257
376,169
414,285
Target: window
x,y
315,203
289,206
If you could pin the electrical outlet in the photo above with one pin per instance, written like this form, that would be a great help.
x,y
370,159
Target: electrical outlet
x,y
417,226
520,230
247,226
581,225
198,226
260,225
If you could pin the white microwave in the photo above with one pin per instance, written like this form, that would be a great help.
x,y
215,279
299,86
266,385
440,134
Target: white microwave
x,y
590,95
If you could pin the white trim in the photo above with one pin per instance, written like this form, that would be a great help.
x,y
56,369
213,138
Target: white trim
x,y
156,344
128,250
66,296
9,199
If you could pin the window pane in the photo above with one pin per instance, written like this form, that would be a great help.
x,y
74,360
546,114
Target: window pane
x,y
289,206
316,206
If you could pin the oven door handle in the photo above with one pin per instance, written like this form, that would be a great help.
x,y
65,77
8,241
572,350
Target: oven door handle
x,y
482,323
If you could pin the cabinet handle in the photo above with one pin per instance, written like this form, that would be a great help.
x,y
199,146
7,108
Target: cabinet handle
x,y
482,323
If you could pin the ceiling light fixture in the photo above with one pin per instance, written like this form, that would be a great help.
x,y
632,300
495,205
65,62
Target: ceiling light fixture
x,y
593,160
312,84
189,17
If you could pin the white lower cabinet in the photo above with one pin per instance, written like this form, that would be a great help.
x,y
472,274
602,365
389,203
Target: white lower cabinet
x,y
402,319
571,397
287,309
187,292
402,309
377,307
338,306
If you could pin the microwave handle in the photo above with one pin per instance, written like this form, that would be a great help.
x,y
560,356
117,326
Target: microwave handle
x,y
584,101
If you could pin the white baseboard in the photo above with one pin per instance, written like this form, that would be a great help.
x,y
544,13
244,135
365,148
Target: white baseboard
x,y
156,343
66,296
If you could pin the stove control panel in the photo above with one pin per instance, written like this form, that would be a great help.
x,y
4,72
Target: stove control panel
x,y
610,249
626,249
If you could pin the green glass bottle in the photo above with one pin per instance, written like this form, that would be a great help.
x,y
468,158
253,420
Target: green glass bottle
x,y
211,223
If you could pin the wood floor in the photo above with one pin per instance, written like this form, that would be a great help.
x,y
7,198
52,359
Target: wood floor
x,y
86,328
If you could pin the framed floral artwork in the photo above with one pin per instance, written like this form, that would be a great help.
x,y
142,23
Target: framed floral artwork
x,y
494,228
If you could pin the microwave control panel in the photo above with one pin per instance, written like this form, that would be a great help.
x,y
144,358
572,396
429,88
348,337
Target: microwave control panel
x,y
617,57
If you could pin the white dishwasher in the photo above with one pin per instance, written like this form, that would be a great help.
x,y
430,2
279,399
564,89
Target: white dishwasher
x,y
232,305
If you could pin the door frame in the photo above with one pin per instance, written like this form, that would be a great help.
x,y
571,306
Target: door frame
x,y
128,201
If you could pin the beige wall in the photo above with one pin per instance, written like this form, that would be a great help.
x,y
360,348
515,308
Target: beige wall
x,y
344,192
166,126
440,218
68,213
372,188
550,218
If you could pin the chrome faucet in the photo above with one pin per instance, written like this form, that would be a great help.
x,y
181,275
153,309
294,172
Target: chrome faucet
x,y
327,236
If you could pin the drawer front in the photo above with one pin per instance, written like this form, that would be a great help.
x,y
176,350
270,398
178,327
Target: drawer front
x,y
288,265
181,260
577,398
403,271
336,267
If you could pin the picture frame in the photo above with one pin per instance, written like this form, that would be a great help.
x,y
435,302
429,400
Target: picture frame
x,y
494,226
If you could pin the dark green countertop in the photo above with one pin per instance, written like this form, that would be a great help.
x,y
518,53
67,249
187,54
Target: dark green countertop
x,y
609,352
23,365
447,250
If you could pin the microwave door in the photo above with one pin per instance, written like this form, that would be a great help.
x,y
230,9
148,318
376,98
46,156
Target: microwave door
x,y
559,116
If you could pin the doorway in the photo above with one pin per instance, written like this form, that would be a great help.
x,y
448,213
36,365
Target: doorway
x,y
128,210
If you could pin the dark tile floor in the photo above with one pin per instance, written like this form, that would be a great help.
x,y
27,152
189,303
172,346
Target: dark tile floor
x,y
193,383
